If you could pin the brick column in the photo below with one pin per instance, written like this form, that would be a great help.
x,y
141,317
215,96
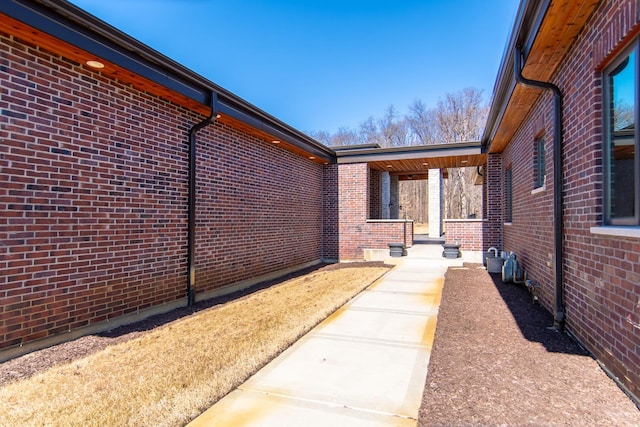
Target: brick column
x,y
492,200
330,213
435,203
375,204
353,208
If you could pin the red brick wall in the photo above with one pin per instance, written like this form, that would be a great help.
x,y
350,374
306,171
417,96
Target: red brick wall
x,y
259,208
330,213
375,200
466,232
382,232
530,234
492,203
93,199
602,274
356,234
353,206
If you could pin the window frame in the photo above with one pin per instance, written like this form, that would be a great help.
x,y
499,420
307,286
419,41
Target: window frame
x,y
540,164
606,124
508,192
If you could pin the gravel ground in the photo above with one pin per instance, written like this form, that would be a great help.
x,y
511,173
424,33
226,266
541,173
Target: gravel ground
x,y
496,363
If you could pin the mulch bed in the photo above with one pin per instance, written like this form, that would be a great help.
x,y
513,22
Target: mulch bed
x,y
38,361
495,362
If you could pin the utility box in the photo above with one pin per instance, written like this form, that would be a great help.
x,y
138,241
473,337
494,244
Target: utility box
x,y
494,264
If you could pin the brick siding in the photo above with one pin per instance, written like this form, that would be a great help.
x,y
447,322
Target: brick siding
x,y
356,233
492,203
602,274
330,213
94,199
466,232
375,194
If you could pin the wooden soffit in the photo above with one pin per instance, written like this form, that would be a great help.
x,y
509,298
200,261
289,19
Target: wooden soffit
x,y
561,25
414,162
41,39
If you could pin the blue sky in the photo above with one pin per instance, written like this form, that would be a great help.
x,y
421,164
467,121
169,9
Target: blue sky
x,y
325,64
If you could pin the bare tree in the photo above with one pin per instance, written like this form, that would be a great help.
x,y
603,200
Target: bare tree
x,y
459,117
368,132
422,123
344,136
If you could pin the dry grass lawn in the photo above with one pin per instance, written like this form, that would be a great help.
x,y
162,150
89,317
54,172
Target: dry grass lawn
x,y
171,374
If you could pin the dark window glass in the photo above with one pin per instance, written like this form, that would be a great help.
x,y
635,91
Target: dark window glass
x,y
539,162
621,172
508,209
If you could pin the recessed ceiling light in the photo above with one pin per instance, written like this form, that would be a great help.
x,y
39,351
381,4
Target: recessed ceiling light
x,y
95,64
464,161
311,157
389,166
275,141
425,164
218,116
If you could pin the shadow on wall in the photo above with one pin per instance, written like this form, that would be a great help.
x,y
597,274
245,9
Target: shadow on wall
x,y
534,320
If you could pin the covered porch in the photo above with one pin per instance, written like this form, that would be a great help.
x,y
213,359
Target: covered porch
x,y
369,214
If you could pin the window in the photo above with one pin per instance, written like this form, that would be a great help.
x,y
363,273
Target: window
x,y
622,165
508,203
539,163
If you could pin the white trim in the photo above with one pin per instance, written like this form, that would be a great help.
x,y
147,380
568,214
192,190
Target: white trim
x,y
464,220
508,223
539,189
389,220
618,231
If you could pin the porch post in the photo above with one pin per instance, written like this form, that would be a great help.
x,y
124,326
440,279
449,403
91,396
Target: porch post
x,y
394,204
386,195
435,203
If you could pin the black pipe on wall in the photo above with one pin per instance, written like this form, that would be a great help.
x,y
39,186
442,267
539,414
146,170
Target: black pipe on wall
x,y
191,233
559,315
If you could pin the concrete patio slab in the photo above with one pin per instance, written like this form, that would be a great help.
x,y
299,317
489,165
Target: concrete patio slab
x,y
366,364
401,328
397,301
425,286
368,375
245,408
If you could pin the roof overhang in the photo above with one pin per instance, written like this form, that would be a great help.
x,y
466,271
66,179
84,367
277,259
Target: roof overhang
x,y
68,31
545,31
414,162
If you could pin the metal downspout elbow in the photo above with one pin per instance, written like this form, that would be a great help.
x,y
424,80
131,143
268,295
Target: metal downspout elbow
x,y
191,228
559,315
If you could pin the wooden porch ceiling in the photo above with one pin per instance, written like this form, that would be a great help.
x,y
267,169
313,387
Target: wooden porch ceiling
x,y
414,162
561,25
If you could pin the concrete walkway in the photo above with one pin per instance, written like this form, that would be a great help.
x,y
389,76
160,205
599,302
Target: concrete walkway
x,y
365,365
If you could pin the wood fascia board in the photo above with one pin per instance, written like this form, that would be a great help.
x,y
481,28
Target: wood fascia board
x,y
542,62
420,153
62,32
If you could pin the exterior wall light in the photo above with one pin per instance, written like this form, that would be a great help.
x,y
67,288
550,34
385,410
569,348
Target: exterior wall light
x,y
95,64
